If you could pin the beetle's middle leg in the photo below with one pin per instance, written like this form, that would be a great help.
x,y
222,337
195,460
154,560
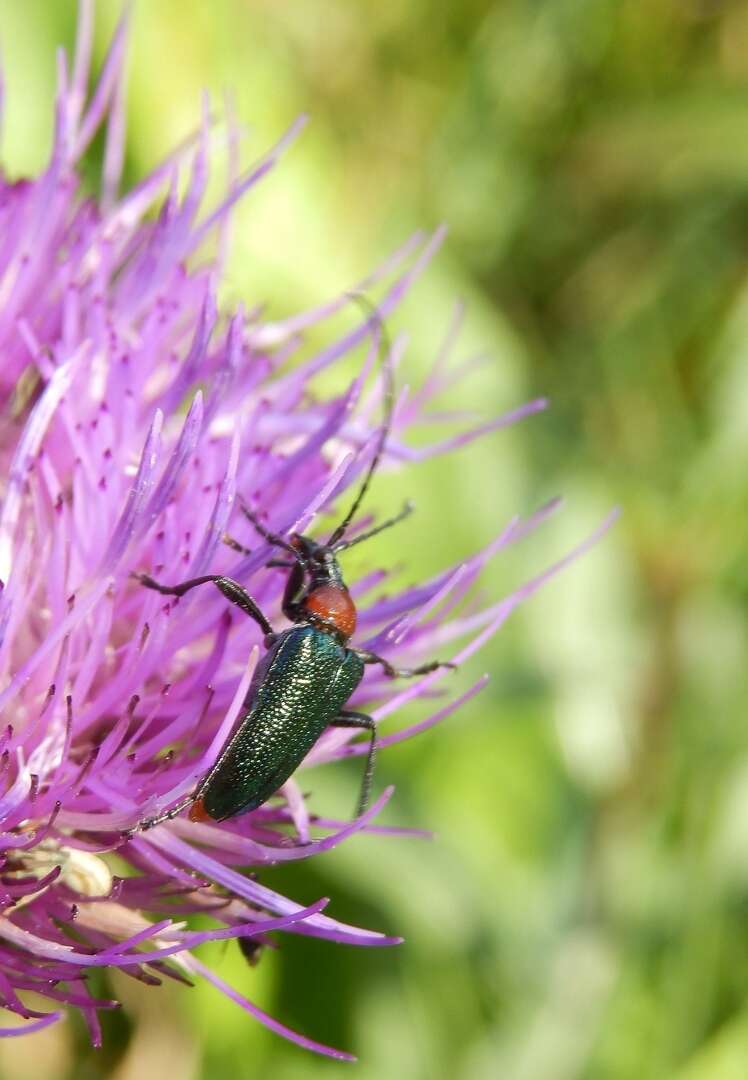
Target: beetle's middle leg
x,y
231,589
350,719
401,672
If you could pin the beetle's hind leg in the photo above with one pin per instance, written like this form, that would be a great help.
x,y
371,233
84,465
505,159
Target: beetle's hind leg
x,y
152,822
350,719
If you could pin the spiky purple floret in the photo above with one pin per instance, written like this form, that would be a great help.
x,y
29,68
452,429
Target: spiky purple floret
x,y
133,415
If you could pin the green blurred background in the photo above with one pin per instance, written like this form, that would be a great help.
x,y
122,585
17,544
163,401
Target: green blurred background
x,y
583,911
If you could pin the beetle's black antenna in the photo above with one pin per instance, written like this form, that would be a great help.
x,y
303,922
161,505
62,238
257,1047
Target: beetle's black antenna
x,y
343,545
266,534
385,351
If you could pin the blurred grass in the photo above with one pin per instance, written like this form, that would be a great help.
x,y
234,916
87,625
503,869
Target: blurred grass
x,y
583,911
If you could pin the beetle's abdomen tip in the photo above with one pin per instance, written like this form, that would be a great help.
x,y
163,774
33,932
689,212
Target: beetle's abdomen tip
x,y
198,811
333,604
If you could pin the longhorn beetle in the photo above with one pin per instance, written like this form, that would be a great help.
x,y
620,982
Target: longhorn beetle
x,y
302,684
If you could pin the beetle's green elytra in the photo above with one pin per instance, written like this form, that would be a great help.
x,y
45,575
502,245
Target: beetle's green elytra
x,y
298,690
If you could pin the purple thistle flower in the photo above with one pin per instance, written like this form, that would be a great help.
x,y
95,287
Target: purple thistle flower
x,y
134,416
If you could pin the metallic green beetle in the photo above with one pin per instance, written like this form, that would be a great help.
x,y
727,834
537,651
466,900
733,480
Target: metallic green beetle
x,y
303,683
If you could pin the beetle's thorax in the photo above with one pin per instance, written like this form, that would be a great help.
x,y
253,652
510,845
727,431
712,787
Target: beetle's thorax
x,y
331,608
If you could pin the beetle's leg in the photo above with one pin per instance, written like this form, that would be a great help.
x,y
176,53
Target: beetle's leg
x,y
401,672
231,589
151,822
350,719
293,594
406,511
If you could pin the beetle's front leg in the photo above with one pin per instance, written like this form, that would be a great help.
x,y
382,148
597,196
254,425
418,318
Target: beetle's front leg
x,y
231,589
350,719
404,672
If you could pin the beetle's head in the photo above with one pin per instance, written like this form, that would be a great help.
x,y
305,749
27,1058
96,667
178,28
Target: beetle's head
x,y
326,600
318,561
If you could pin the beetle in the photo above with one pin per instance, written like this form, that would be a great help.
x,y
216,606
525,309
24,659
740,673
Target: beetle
x,y
310,670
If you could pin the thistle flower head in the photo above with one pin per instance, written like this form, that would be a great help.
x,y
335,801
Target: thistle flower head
x,y
134,416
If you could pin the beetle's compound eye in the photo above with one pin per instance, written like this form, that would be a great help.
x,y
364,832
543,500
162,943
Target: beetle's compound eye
x,y
303,545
